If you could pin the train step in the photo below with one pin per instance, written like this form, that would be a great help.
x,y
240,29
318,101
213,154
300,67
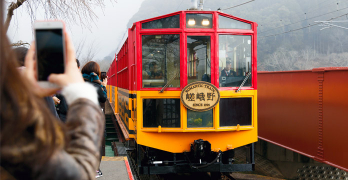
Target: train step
x,y
109,125
120,148
108,151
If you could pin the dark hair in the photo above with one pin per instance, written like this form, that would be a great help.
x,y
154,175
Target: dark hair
x,y
78,63
29,132
20,53
90,67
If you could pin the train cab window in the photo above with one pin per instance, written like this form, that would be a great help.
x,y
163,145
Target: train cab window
x,y
161,60
168,22
161,112
235,111
199,119
228,23
234,60
198,59
199,20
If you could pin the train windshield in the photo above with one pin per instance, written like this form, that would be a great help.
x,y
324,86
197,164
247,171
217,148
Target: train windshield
x,y
234,60
161,60
198,59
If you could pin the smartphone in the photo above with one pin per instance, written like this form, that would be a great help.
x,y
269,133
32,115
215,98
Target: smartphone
x,y
50,50
103,76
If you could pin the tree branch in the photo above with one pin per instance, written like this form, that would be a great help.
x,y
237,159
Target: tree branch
x,y
13,6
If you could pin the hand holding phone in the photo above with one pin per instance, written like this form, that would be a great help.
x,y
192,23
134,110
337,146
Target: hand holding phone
x,y
71,74
50,50
105,82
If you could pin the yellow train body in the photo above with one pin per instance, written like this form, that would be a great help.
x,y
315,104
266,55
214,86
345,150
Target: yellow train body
x,y
128,105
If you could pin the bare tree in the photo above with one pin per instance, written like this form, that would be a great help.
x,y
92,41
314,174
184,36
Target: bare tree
x,y
86,53
71,11
282,60
79,48
91,52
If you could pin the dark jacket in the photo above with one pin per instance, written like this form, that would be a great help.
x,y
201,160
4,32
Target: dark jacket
x,y
51,106
101,90
62,107
226,74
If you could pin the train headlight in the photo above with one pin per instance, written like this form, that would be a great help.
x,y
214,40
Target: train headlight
x,y
191,22
205,22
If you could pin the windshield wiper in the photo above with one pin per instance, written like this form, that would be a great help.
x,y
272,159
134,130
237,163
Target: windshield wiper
x,y
170,80
243,82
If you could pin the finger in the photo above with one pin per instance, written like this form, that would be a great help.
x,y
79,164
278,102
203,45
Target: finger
x,y
70,50
29,58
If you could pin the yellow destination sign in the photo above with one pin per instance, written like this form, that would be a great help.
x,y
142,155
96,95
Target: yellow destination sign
x,y
200,96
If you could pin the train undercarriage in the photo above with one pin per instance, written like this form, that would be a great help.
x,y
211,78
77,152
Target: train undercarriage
x,y
149,161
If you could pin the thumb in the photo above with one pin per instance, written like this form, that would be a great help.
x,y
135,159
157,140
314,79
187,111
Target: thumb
x,y
58,79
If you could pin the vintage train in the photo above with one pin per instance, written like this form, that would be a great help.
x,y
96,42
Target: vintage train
x,y
184,89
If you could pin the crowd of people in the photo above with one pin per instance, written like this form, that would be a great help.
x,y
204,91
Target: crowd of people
x,y
51,133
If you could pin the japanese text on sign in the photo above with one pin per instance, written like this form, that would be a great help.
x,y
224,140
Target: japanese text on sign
x,y
200,96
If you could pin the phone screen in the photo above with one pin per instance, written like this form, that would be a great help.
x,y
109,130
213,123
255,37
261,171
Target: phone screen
x,y
50,52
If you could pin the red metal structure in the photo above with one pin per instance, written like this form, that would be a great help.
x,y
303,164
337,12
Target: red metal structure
x,y
306,112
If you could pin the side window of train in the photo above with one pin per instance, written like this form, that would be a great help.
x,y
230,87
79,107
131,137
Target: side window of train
x,y
234,60
198,59
161,60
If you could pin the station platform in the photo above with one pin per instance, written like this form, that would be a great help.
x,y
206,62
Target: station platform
x,y
118,168
115,168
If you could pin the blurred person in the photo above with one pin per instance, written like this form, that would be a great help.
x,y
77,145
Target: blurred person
x,y
62,106
33,144
91,73
154,72
227,71
20,53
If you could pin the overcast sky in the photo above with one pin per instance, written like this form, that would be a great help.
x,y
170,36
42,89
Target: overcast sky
x,y
105,35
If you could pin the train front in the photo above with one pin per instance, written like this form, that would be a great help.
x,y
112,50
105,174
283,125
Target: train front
x,y
196,98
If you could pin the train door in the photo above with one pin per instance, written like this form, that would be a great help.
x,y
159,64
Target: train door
x,y
200,67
